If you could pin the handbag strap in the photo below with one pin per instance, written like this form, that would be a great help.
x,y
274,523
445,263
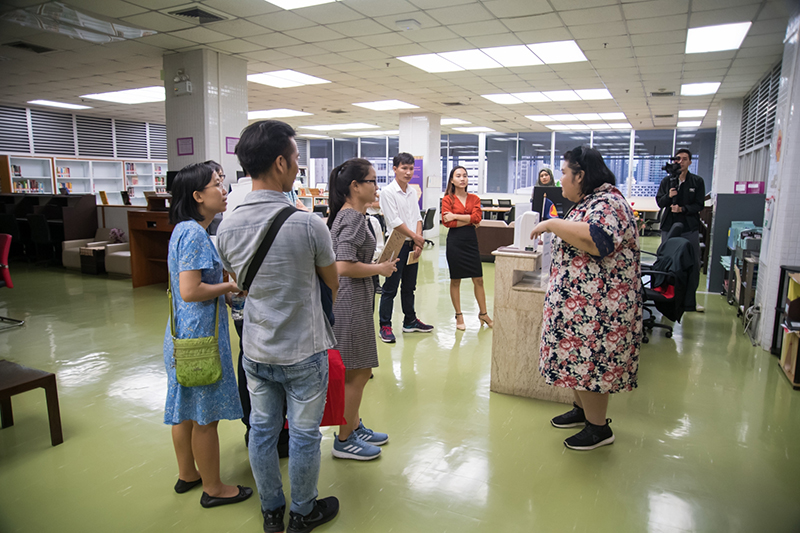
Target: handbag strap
x,y
172,313
265,245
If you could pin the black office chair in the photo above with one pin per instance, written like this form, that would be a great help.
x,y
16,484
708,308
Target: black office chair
x,y
666,282
322,209
501,202
45,248
428,221
487,202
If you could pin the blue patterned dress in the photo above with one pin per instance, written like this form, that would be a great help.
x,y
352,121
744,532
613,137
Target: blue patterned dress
x,y
191,249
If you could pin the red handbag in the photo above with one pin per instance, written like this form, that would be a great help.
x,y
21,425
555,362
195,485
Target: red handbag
x,y
334,400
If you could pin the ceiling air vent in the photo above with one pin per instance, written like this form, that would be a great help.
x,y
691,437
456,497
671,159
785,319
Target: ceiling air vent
x,y
337,111
452,103
499,121
663,116
22,45
662,94
202,14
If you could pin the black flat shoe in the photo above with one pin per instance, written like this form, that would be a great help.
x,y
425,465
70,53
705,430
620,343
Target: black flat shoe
x,y
211,501
185,486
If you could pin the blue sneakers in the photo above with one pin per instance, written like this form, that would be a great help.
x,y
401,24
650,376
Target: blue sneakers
x,y
369,436
417,326
354,448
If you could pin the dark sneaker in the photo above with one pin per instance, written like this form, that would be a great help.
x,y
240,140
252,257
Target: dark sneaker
x,y
591,437
387,335
273,520
417,326
570,419
324,511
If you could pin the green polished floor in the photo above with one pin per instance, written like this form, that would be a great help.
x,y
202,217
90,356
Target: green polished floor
x,y
710,441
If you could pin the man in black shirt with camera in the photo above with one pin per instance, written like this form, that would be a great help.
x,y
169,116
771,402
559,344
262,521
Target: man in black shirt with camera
x,y
682,196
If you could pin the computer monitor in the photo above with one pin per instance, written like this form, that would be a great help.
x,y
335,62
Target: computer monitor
x,y
170,178
554,195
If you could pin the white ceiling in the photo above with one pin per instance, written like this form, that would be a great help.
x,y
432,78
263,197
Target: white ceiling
x,y
633,47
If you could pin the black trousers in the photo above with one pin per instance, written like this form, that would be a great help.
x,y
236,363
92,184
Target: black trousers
x,y
407,274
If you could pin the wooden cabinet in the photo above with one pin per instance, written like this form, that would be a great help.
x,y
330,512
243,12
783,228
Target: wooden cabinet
x,y
26,175
149,233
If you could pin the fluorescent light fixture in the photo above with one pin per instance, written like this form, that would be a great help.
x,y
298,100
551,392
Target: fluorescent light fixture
x,y
716,38
620,126
470,59
297,4
612,116
283,79
312,136
587,116
690,124
562,96
699,89
686,136
563,118
275,113
386,133
558,52
692,113
475,129
58,104
430,63
513,56
387,105
452,121
335,127
502,98
540,118
559,127
594,94
143,95
532,97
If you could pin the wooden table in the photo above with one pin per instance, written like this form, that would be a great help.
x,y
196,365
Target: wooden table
x,y
16,379
149,232
495,211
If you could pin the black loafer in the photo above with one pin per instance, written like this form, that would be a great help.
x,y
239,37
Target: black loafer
x,y
211,501
185,486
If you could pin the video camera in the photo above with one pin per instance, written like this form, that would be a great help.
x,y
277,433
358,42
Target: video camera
x,y
673,168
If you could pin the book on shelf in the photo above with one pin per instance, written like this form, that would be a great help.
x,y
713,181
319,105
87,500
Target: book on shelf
x,y
16,170
103,197
134,180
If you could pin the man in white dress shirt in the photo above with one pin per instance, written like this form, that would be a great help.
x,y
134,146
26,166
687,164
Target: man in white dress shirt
x,y
400,205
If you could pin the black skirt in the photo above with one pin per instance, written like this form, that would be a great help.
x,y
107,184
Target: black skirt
x,y
463,256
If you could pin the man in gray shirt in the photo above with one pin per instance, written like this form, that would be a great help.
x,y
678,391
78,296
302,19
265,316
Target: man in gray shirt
x,y
286,333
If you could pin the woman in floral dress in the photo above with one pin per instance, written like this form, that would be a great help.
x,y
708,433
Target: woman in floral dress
x,y
592,324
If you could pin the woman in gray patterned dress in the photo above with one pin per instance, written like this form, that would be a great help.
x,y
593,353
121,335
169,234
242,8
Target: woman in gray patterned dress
x,y
352,187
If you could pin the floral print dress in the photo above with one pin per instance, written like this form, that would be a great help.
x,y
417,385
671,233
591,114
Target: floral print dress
x,y
592,319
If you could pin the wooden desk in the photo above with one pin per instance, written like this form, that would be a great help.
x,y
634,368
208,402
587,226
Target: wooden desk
x,y
518,304
149,233
494,211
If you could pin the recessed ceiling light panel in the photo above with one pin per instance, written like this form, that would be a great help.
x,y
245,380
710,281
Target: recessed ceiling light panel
x,y
387,105
532,97
692,113
507,99
475,129
283,79
336,127
562,96
513,56
430,63
143,95
558,52
470,59
297,4
50,103
699,89
594,94
275,113
453,121
716,38
689,124
540,118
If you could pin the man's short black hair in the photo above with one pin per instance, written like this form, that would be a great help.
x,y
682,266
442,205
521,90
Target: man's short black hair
x,y
191,178
684,151
403,158
261,143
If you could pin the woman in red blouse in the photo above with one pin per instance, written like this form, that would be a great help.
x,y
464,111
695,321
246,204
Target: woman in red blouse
x,y
461,212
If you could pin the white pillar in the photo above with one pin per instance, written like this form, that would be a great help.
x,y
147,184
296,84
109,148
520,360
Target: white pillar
x,y
780,244
726,153
482,163
213,115
420,136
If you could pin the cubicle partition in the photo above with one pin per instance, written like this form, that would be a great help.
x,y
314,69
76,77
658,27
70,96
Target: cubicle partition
x,y
727,208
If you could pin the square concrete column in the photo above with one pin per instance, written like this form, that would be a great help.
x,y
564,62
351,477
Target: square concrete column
x,y
420,136
206,123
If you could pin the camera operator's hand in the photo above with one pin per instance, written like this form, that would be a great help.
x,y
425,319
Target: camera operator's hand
x,y
673,193
677,209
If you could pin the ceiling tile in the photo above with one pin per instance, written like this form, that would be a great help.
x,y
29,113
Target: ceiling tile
x,y
474,29
666,23
662,37
432,4
659,50
517,8
404,50
371,8
386,39
327,59
317,34
200,35
654,8
604,43
705,5
273,40
723,16
760,27
282,20
329,13
599,15
598,30
761,51
708,65
267,56
359,28
109,8
461,14
537,22
236,46
154,4
709,56
430,34
366,54
157,21
544,35
449,45
166,42
243,8
775,9
497,39
237,28
425,21
762,40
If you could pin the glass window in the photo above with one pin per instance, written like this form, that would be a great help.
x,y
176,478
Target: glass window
x,y
463,151
344,149
501,163
614,146
320,160
701,144
394,149
373,149
566,141
652,149
534,155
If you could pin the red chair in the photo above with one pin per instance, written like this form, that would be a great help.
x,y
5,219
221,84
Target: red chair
x,y
5,276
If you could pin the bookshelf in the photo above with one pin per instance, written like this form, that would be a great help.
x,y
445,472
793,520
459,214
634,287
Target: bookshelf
x,y
160,176
107,176
26,175
140,177
74,175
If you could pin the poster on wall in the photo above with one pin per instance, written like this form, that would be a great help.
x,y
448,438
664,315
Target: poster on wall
x,y
416,179
230,145
186,146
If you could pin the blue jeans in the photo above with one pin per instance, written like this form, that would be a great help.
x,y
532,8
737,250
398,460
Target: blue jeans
x,y
408,275
304,386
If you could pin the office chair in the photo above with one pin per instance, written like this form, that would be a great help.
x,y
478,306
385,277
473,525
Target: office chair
x,y
43,244
321,209
5,277
428,220
487,202
501,202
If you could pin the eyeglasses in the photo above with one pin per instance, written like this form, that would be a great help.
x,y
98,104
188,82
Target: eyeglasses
x,y
369,181
219,185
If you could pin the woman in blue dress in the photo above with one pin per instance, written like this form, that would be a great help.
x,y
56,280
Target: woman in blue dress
x,y
195,274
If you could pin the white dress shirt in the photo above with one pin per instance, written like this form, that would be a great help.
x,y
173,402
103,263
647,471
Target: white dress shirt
x,y
400,207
